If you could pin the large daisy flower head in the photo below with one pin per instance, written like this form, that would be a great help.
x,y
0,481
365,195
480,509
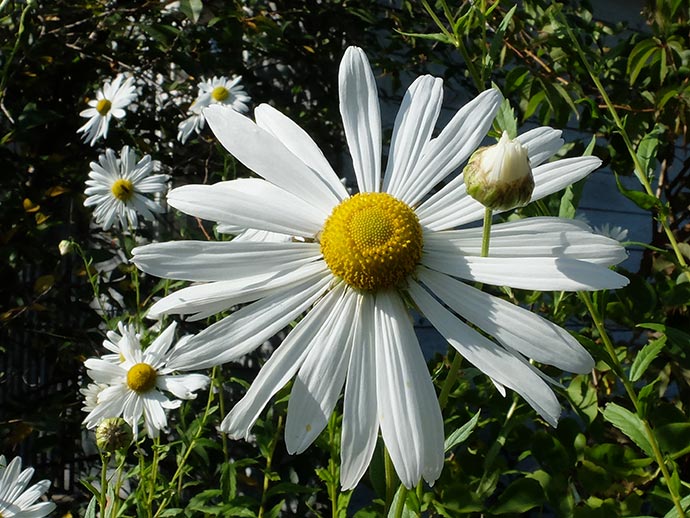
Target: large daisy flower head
x,y
359,262
110,101
15,498
218,90
117,188
135,385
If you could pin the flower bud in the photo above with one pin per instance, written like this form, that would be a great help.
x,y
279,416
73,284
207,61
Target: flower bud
x,y
65,247
113,434
499,176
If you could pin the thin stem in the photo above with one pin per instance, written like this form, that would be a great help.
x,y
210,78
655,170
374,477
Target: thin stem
x,y
333,465
486,231
153,475
102,498
391,479
269,459
401,502
630,390
451,378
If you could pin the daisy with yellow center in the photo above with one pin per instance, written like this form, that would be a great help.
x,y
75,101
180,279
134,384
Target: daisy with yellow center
x,y
110,101
218,90
15,498
358,262
132,381
117,188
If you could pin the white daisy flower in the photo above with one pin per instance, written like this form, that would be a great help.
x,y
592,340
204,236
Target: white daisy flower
x,y
219,90
15,499
613,231
111,101
362,259
135,385
117,188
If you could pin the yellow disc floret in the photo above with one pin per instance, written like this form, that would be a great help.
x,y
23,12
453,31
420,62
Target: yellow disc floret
x,y
103,106
220,93
141,377
122,189
372,241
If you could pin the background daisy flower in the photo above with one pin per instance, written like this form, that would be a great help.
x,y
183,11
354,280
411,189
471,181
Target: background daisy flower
x,y
117,187
15,499
361,259
219,90
135,385
111,101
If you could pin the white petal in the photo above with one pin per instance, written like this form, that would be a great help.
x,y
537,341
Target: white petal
x,y
320,379
414,124
409,414
522,330
221,261
454,144
281,366
264,154
360,411
249,203
154,354
359,108
183,386
247,328
541,143
488,357
529,273
554,176
450,207
154,415
301,145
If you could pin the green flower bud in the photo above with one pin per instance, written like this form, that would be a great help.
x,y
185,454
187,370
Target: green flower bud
x,y
499,176
113,434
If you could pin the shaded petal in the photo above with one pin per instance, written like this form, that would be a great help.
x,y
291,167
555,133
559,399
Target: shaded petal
x,y
409,414
541,143
488,357
519,329
183,386
554,176
249,203
360,410
359,108
282,365
222,261
320,379
412,131
264,154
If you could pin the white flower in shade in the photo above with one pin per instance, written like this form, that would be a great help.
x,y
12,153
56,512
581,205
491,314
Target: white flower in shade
x,y
358,261
111,101
613,231
15,499
135,385
117,187
219,90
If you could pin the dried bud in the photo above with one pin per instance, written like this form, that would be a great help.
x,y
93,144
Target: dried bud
x,y
499,176
113,434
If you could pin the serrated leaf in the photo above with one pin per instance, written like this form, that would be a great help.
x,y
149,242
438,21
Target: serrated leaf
x,y
505,119
645,357
629,424
461,434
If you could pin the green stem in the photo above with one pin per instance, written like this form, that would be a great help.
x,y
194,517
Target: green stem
x,y
269,459
333,465
486,231
401,502
153,474
102,498
630,390
391,479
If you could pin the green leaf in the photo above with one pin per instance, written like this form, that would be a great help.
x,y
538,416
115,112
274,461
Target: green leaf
x,y
497,39
684,503
645,357
437,36
505,119
641,199
647,148
407,512
192,9
520,496
91,509
461,434
638,58
673,437
630,424
583,396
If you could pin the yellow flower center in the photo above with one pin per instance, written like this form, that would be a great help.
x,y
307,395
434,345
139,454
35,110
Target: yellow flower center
x,y
141,377
103,106
220,93
372,241
122,189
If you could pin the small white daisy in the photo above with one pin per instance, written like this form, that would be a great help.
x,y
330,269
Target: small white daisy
x,y
134,385
219,90
116,187
111,101
613,231
15,499
358,262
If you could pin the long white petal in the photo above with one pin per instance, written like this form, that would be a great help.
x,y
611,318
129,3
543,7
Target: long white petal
x,y
249,203
409,414
264,154
488,357
320,379
183,386
522,330
247,328
412,131
359,108
301,145
541,143
221,261
360,410
282,366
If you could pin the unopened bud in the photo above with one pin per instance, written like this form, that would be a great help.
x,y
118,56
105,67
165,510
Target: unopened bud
x,y
499,176
65,247
113,434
